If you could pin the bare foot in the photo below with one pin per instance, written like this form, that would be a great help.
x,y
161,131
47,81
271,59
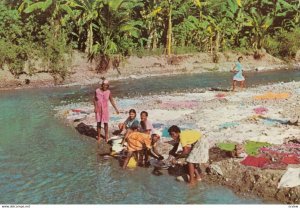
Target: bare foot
x,y
192,182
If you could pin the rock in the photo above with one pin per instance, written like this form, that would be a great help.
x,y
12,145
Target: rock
x,y
86,130
103,148
216,169
260,68
182,178
133,76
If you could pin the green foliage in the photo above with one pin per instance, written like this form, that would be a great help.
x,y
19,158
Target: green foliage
x,y
12,46
284,44
24,41
49,29
55,53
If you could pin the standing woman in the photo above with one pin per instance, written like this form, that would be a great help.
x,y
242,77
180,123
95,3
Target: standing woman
x,y
102,95
239,76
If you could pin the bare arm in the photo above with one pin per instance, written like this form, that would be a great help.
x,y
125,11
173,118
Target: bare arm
x,y
234,69
95,103
156,153
174,150
126,136
129,154
113,103
185,152
148,131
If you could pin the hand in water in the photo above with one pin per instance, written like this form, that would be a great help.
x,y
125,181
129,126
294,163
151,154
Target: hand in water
x,y
161,158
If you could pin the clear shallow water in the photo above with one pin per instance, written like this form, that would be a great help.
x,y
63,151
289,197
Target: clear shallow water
x,y
44,161
185,83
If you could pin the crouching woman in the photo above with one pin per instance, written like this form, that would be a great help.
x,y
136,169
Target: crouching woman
x,y
195,150
136,142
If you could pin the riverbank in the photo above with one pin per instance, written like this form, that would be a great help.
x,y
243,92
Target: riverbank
x,y
82,72
260,114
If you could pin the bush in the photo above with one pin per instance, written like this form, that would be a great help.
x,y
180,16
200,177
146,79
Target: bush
x,y
54,52
12,53
23,41
285,44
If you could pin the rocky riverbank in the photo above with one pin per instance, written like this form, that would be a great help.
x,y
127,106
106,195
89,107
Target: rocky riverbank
x,y
263,114
82,72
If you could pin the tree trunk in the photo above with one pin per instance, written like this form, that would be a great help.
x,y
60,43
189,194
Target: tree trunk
x,y
154,43
89,41
217,45
169,34
211,44
150,39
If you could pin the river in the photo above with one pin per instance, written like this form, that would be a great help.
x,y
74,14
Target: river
x,y
43,161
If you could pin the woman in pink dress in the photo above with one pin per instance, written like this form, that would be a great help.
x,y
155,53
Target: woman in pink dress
x,y
102,95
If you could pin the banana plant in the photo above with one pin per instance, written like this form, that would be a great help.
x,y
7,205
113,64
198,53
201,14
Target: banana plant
x,y
151,15
60,11
114,30
258,25
86,14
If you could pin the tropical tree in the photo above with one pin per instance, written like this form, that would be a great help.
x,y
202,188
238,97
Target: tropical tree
x,y
151,16
59,11
86,14
115,30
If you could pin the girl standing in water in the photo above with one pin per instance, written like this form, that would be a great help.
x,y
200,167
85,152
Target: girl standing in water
x,y
102,95
238,77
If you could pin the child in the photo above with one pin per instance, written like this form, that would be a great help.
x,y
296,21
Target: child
x,y
147,128
102,95
195,149
130,121
145,125
138,141
239,76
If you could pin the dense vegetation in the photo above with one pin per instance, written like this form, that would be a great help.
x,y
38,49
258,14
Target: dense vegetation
x,y
46,31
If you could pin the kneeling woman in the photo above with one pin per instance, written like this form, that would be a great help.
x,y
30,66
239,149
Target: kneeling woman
x,y
195,149
137,141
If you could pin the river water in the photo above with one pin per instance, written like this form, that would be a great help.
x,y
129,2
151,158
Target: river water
x,y
44,161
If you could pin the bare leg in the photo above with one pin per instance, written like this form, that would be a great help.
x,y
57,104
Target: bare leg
x,y
242,84
106,131
233,85
121,127
197,174
126,135
191,168
141,158
146,159
99,131
129,154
